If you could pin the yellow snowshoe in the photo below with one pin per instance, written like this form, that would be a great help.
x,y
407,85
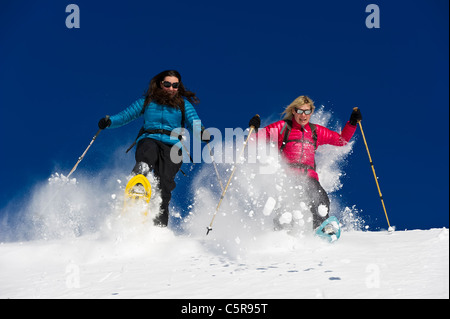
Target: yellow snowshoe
x,y
137,195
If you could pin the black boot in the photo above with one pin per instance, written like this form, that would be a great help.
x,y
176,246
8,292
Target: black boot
x,y
162,220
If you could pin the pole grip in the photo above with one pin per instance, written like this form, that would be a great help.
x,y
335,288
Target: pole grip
x,y
85,151
107,117
252,125
354,110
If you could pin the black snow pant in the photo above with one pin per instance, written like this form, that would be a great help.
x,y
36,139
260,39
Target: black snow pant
x,y
157,156
317,197
312,194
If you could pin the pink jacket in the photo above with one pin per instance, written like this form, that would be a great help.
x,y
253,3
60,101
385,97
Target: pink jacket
x,y
299,151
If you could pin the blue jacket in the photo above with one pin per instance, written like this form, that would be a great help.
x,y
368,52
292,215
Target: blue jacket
x,y
156,117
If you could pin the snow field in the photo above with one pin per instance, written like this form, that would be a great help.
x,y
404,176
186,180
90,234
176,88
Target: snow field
x,y
158,264
71,241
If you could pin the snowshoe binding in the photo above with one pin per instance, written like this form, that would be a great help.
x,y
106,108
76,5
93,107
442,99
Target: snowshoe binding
x,y
329,230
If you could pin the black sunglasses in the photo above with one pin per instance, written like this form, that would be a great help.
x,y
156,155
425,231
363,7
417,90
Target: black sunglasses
x,y
306,112
167,84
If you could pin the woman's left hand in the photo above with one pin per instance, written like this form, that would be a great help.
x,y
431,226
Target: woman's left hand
x,y
355,117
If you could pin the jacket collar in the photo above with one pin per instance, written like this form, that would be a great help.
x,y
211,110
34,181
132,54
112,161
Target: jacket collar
x,y
297,126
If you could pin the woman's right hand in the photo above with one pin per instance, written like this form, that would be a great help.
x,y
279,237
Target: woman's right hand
x,y
104,123
255,121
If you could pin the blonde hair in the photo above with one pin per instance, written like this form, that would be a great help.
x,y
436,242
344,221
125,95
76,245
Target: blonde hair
x,y
301,100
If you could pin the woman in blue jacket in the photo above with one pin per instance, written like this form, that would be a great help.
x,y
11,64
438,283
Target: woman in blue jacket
x,y
167,107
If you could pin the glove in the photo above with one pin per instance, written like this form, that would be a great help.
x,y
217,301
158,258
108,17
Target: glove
x,y
255,121
104,123
355,117
206,136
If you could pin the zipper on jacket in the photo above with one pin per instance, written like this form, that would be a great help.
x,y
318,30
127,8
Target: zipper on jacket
x,y
303,139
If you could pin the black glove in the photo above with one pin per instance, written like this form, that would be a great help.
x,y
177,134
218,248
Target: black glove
x,y
104,123
206,136
255,121
355,117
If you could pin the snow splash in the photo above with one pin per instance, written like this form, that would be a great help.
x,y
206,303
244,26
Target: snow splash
x,y
255,203
67,208
92,204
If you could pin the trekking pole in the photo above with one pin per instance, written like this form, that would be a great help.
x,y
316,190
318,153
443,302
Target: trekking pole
x,y
390,229
187,152
209,228
215,167
73,169
85,151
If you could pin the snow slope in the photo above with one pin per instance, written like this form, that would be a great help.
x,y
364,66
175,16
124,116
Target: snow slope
x,y
71,241
155,263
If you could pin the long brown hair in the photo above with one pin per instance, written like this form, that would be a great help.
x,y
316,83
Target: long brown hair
x,y
156,93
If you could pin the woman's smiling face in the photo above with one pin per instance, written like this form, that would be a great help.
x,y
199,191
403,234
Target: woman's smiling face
x,y
300,116
173,81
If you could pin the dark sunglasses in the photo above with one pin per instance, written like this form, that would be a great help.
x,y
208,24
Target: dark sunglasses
x,y
306,112
167,84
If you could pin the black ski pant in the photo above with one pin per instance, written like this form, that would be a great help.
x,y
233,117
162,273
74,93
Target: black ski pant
x,y
317,196
312,194
157,156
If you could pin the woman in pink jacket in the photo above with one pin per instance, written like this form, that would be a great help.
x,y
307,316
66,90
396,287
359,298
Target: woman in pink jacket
x,y
298,140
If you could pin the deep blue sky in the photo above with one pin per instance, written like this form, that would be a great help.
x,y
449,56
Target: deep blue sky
x,y
241,58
